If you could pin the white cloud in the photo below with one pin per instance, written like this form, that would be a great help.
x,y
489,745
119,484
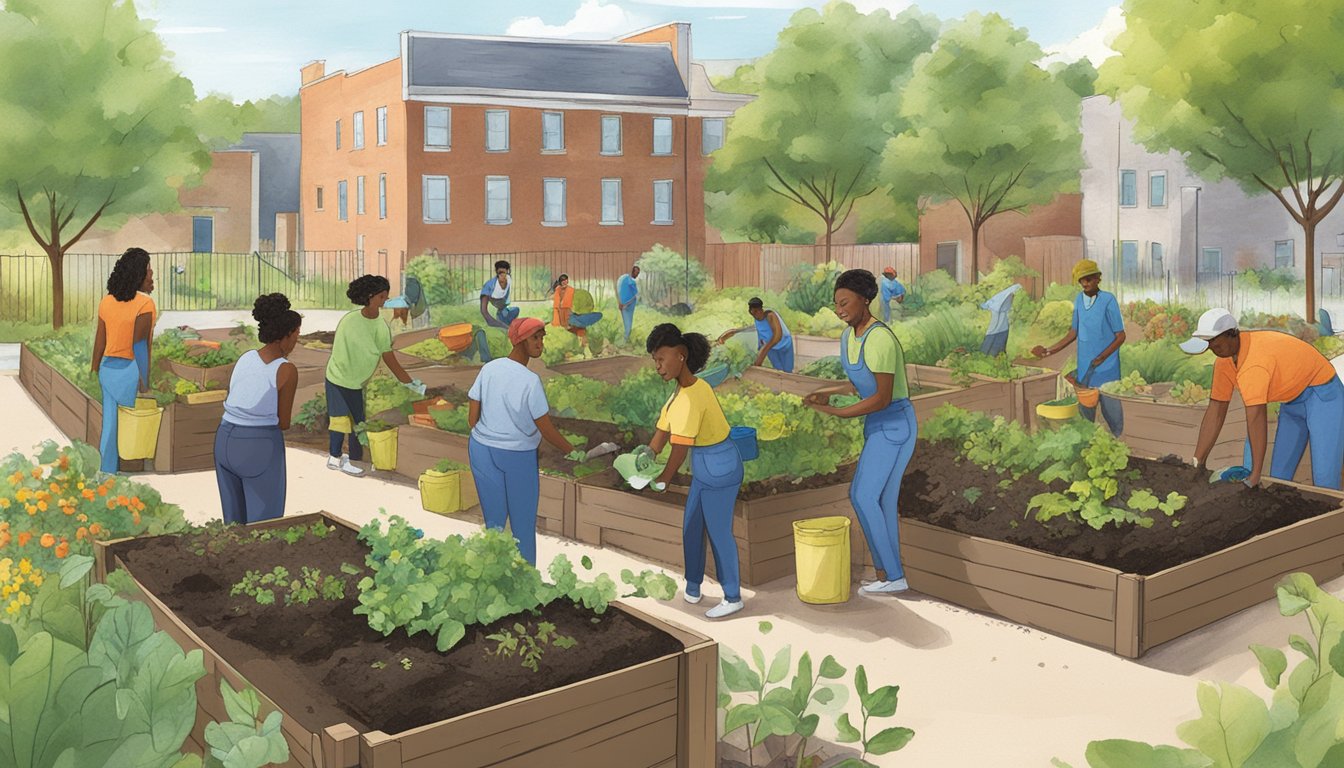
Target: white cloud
x,y
593,20
893,6
1093,44
190,30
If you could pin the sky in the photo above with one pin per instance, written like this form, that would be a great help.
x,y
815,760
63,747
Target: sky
x,y
254,48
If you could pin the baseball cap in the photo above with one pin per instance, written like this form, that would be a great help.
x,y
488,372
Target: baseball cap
x,y
1213,323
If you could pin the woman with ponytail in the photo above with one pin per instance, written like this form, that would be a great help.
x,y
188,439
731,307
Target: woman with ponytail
x,y
121,344
249,446
693,422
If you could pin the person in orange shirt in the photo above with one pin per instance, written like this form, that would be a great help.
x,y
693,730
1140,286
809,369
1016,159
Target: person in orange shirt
x,y
562,303
121,344
1272,367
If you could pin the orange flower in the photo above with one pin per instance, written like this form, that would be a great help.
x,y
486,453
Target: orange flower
x,y
83,518
135,517
47,540
24,538
42,495
95,529
122,501
4,503
32,510
16,478
42,505
111,503
37,472
81,533
63,550
63,462
24,494
88,494
137,504
54,488
102,490
4,539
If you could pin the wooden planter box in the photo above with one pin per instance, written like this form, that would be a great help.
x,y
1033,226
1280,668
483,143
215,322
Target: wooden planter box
x,y
420,448
221,374
658,714
608,370
1120,612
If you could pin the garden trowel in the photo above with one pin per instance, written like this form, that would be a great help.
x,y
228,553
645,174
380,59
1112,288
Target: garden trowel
x,y
601,450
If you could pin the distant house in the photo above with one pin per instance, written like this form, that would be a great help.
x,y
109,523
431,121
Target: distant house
x,y
278,195
495,144
945,234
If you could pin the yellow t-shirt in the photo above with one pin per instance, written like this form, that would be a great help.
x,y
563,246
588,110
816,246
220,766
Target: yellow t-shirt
x,y
119,319
693,416
1272,367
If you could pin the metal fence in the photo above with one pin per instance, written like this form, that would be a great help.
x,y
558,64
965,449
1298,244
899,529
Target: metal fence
x,y
183,281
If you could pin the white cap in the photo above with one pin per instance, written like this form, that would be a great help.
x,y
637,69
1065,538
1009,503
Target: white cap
x,y
1213,323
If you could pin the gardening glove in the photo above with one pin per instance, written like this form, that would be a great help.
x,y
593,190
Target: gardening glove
x,y
643,457
576,455
658,487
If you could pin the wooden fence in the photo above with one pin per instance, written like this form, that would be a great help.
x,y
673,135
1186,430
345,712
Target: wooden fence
x,y
770,265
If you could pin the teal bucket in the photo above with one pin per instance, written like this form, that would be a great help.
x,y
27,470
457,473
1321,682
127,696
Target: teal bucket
x,y
745,440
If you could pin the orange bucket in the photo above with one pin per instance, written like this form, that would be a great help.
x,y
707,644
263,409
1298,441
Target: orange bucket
x,y
1088,397
456,337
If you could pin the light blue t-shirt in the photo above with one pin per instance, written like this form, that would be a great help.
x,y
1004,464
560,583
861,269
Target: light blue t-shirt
x,y
512,399
891,288
999,305
626,289
1097,321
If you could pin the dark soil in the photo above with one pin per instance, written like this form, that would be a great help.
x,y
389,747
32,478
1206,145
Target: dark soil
x,y
326,337
316,661
597,433
753,491
1215,516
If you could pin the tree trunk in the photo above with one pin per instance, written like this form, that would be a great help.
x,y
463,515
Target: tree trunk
x,y
975,251
830,229
56,257
1309,263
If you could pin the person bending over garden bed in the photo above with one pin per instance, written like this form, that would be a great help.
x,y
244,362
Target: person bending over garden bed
x,y
773,338
1100,331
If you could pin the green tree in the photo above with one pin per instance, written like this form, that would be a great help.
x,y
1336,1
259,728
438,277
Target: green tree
x,y
1248,91
98,123
1080,76
221,123
801,154
988,127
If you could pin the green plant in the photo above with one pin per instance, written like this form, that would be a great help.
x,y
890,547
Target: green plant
x,y
530,642
309,586
928,339
451,420
1162,361
171,344
965,365
1190,393
429,349
363,428
666,277
448,465
384,393
312,414
812,287
444,285
246,739
879,703
825,368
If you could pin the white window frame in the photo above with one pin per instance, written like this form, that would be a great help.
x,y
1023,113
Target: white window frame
x,y
338,134
546,183
447,129
723,128
620,129
508,201
671,134
553,150
343,200
1152,175
620,204
505,113
382,126
359,195
382,195
671,203
425,181
320,201
1120,190
358,125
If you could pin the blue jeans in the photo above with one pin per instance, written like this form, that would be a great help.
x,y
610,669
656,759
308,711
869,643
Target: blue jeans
x,y
781,359
628,317
345,402
509,486
716,477
888,445
1317,417
479,348
1112,411
119,379
250,471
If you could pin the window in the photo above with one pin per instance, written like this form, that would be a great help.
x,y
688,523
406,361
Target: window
x,y
711,135
611,134
359,195
553,202
359,130
1157,189
382,195
1129,260
338,134
436,199
1283,254
612,212
1129,189
1210,261
438,127
662,135
496,130
552,132
662,202
342,208
498,208
382,126
1155,258
319,198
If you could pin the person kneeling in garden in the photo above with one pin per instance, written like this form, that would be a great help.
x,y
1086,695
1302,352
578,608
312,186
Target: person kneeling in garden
x,y
694,423
1272,367
875,365
496,293
508,415
249,445
773,338
1100,331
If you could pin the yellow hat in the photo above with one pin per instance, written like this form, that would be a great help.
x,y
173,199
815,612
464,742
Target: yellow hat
x,y
1084,268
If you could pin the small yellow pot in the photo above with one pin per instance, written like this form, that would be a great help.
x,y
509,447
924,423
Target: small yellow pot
x,y
383,449
444,493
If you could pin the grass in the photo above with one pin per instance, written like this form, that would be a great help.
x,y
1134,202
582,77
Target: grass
x,y
11,331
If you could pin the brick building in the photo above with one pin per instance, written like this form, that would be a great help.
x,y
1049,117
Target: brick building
x,y
945,233
494,144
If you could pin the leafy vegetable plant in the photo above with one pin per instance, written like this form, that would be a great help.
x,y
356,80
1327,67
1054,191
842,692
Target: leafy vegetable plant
x,y
309,586
530,642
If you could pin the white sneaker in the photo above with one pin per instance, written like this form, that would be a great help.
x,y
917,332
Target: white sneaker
x,y
724,608
335,463
692,599
885,587
345,466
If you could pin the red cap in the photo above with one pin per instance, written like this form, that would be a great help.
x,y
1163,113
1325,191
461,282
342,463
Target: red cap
x,y
889,271
522,328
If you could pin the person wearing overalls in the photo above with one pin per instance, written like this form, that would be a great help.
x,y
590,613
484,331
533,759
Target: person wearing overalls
x,y
875,365
627,295
693,422
1272,367
891,290
495,293
774,341
121,345
1100,332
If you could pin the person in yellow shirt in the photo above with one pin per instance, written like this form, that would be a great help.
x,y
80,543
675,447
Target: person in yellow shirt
x,y
693,422
1272,367
121,344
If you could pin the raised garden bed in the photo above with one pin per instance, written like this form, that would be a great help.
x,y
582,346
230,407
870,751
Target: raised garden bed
x,y
636,691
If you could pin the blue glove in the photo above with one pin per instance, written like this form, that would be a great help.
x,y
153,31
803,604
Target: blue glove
x,y
1230,475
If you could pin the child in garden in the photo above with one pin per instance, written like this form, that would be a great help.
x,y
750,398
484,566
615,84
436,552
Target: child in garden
x,y
509,415
121,344
362,340
496,293
249,445
774,341
693,422
875,365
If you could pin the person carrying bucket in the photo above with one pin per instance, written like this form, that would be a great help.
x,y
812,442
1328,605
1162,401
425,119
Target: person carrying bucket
x,y
1100,331
891,290
508,415
627,295
496,293
774,341
121,344
250,441
1272,367
875,366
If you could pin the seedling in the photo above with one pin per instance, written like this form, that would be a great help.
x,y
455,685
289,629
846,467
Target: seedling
x,y
529,643
405,663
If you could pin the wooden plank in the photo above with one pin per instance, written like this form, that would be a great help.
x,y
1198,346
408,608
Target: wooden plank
x,y
644,738
1002,555
340,747
38,380
1090,601
611,520
1129,615
379,750
69,408
697,708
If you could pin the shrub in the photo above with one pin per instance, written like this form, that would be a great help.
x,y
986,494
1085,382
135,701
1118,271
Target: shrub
x,y
1055,318
444,285
1162,361
812,287
1287,323
926,340
936,287
825,368
1269,279
665,276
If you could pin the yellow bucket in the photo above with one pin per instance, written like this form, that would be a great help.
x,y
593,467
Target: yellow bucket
x,y
821,555
383,449
444,493
138,429
341,424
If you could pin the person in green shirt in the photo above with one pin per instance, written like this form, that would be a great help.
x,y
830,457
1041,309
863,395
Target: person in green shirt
x,y
875,366
363,339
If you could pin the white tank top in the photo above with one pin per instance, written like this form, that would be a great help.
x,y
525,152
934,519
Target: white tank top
x,y
253,397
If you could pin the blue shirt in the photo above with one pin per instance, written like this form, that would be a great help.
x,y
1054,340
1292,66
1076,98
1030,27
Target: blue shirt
x,y
626,289
512,399
1096,327
764,332
999,305
891,288
489,290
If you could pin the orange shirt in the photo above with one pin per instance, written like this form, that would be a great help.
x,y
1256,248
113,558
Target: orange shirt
x,y
119,319
1272,367
564,300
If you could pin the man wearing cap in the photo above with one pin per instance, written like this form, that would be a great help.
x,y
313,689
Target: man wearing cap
x,y
891,288
1099,330
1272,367
773,338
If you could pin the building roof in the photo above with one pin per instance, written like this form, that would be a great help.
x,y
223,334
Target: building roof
x,y
545,66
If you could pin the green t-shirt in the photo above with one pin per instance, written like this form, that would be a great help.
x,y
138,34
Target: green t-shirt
x,y
359,345
883,354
